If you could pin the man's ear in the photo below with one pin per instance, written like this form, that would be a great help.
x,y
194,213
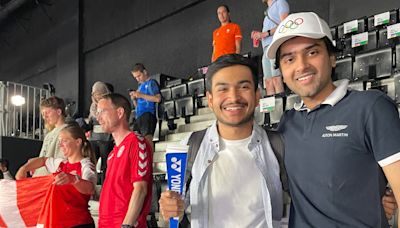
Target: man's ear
x,y
258,96
333,61
120,112
209,99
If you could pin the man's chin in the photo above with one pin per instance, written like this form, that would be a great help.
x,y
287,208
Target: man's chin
x,y
237,123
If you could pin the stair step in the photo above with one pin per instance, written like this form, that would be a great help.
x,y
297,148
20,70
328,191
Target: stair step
x,y
159,168
202,111
177,136
160,146
159,156
195,126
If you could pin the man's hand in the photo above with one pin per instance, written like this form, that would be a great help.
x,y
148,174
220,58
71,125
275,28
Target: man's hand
x,y
134,94
389,204
64,178
171,205
256,35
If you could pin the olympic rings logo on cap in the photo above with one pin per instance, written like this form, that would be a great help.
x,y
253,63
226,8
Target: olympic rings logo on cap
x,y
290,25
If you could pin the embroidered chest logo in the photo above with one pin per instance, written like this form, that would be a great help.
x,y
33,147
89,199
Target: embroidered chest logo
x,y
228,30
335,131
120,151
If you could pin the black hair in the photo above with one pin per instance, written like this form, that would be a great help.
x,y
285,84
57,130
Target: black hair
x,y
227,61
226,7
4,162
119,101
332,50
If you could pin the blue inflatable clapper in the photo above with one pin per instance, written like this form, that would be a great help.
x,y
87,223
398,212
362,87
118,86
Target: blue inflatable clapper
x,y
176,159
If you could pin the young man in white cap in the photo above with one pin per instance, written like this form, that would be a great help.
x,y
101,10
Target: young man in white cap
x,y
337,141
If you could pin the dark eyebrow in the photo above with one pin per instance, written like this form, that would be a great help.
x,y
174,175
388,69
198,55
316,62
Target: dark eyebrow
x,y
307,48
240,83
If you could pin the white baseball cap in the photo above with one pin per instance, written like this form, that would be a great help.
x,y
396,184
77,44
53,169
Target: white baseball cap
x,y
306,24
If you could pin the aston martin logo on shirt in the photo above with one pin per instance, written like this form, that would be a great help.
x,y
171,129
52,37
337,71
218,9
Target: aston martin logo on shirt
x,y
335,131
336,127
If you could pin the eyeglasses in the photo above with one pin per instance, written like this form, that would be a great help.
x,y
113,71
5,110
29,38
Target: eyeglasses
x,y
101,111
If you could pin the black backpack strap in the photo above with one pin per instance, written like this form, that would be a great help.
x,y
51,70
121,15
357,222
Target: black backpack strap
x,y
275,138
194,143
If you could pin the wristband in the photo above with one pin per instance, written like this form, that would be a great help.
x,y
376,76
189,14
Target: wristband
x,y
130,226
269,32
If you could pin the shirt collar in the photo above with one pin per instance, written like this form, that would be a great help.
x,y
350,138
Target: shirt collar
x,y
331,100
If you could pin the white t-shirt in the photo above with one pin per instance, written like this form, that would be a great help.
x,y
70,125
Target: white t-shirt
x,y
235,196
86,167
7,175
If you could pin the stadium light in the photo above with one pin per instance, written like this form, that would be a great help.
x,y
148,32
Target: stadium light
x,y
18,100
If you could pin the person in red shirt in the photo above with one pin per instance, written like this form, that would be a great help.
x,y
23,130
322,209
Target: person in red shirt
x,y
227,38
66,203
125,198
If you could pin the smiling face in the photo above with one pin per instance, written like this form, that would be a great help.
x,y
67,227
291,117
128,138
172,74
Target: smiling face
x,y
306,67
68,145
233,96
223,15
108,116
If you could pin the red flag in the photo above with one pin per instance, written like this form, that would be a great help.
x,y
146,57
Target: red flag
x,y
36,202
64,206
22,200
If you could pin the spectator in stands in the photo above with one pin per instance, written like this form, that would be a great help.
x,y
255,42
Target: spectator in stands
x,y
126,194
337,141
145,99
53,113
277,11
229,154
227,38
233,149
101,141
4,168
75,175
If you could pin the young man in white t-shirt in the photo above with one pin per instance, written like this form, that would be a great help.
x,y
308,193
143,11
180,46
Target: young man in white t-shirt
x,y
235,176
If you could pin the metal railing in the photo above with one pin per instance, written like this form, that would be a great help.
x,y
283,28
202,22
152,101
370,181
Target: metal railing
x,y
21,120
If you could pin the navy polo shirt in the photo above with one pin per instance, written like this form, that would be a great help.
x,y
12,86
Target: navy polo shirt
x,y
333,157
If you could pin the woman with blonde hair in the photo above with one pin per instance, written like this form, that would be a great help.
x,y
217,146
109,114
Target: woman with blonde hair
x,y
74,181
